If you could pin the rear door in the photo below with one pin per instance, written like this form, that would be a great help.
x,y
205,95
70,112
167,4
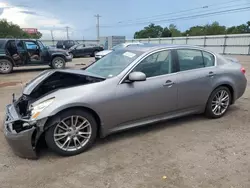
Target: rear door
x,y
195,77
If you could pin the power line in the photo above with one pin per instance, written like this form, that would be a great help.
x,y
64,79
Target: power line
x,y
197,12
178,12
189,17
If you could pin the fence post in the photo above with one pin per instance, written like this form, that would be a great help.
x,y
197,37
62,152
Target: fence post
x,y
159,40
148,39
249,48
225,43
186,39
204,41
172,40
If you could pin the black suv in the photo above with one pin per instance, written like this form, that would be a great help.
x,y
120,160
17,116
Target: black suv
x,y
25,52
66,44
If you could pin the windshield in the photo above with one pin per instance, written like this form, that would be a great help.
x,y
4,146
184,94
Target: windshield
x,y
117,47
113,63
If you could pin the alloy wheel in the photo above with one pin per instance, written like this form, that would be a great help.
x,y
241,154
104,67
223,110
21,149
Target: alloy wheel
x,y
58,63
4,66
220,102
72,133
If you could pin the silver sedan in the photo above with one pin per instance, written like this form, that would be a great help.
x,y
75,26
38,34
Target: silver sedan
x,y
127,88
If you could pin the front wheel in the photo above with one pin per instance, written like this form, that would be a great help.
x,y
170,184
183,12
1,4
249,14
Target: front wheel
x,y
6,66
58,63
74,134
218,102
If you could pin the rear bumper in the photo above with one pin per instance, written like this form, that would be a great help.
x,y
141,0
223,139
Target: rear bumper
x,y
23,143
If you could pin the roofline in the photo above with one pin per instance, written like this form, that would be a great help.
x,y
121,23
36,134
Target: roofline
x,y
16,39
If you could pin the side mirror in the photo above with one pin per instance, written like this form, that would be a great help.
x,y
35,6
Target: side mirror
x,y
137,76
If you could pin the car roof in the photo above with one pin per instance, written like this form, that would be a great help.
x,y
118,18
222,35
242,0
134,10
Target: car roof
x,y
6,39
151,47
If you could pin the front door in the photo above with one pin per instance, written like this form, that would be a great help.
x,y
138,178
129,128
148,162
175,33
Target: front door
x,y
44,53
194,78
139,101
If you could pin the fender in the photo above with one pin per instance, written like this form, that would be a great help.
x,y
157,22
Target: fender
x,y
4,56
53,54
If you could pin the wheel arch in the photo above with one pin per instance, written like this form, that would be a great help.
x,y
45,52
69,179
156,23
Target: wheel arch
x,y
54,119
8,58
231,89
58,55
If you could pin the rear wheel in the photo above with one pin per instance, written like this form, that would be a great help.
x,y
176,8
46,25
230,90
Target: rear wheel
x,y
5,66
218,102
93,54
58,63
74,134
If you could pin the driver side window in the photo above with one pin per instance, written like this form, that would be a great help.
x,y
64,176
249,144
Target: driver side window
x,y
156,64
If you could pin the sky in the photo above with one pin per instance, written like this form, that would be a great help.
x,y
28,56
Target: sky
x,y
122,18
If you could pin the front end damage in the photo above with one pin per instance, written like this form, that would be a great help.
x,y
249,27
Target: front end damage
x,y
21,131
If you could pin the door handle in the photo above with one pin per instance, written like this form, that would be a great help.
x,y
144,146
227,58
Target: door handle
x,y
168,83
211,74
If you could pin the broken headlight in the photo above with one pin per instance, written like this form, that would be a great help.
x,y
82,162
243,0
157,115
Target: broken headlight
x,y
37,109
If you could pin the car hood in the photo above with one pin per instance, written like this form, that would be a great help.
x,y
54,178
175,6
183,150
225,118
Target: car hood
x,y
104,52
55,50
37,81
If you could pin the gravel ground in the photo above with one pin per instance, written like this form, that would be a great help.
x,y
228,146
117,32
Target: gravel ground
x,y
190,152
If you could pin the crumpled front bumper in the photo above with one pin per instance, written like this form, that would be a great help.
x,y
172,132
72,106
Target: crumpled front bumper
x,y
23,143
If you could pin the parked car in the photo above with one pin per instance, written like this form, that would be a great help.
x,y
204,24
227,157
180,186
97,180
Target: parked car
x,y
28,52
128,88
82,50
65,44
103,53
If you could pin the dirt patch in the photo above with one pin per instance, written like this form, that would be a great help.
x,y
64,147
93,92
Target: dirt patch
x,y
6,84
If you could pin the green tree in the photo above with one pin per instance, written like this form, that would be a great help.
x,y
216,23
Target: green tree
x,y
10,30
152,31
214,29
195,31
243,28
174,31
166,32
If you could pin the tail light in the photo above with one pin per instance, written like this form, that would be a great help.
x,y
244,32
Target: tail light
x,y
243,70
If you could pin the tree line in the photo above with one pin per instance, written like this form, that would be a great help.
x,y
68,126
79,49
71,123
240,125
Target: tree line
x,y
10,30
156,31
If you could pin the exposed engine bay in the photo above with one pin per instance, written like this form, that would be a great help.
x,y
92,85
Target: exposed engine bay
x,y
57,80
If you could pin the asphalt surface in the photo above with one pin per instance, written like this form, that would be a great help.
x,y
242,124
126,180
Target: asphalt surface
x,y
189,152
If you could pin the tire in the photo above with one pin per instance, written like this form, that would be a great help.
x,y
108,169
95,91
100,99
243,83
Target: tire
x,y
211,110
59,146
93,54
58,63
6,66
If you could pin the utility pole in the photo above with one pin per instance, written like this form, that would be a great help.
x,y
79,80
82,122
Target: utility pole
x,y
98,27
67,31
52,36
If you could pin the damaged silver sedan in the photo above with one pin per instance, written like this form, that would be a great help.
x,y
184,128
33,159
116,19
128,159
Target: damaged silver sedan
x,y
127,88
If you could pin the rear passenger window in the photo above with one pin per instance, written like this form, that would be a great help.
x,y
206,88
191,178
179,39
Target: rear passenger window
x,y
190,59
208,59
